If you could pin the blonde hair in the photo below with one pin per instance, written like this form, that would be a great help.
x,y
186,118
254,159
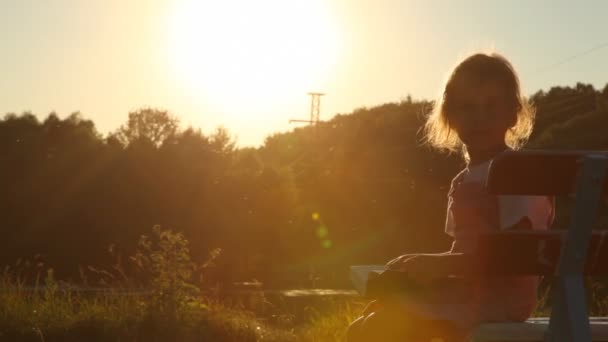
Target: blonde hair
x,y
479,67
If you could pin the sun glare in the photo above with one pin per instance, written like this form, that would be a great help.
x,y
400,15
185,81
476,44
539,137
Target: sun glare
x,y
251,56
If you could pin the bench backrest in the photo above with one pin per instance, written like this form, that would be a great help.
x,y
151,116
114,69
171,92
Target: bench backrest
x,y
549,173
539,172
567,255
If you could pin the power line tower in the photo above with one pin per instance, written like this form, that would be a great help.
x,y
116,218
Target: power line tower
x,y
315,109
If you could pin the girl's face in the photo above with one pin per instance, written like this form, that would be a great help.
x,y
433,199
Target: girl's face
x,y
481,114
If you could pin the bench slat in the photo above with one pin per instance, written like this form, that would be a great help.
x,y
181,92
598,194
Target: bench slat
x,y
537,172
531,330
536,252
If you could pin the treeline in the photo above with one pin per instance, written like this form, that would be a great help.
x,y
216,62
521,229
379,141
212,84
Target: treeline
x,y
295,212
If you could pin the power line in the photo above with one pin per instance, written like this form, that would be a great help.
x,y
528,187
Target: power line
x,y
572,57
570,107
577,99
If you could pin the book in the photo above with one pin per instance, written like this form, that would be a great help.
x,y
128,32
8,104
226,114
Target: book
x,y
360,274
377,281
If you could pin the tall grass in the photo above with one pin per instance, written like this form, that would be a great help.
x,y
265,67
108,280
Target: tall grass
x,y
329,323
46,310
173,309
48,313
35,306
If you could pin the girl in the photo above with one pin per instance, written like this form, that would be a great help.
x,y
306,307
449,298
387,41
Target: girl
x,y
481,113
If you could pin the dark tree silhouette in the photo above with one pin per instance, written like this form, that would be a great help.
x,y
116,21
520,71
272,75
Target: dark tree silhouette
x,y
359,188
149,125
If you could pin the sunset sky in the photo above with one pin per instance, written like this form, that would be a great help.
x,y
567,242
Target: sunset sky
x,y
248,65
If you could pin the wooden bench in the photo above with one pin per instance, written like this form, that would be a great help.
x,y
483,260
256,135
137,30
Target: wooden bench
x,y
565,256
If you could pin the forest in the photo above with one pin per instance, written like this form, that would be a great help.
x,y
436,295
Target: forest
x,y
295,212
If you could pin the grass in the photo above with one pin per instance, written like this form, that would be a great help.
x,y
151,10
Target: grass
x,y
49,312
35,306
330,324
52,311
46,312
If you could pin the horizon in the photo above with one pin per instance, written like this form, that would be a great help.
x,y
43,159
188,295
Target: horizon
x,y
211,65
84,116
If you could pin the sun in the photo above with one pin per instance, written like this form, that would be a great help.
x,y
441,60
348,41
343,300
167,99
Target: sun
x,y
244,56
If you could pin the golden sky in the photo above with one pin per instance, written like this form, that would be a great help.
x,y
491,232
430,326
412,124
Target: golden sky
x,y
248,65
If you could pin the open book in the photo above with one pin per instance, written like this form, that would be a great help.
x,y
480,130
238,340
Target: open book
x,y
359,274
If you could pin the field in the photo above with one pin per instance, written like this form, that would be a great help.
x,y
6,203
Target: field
x,y
53,312
35,306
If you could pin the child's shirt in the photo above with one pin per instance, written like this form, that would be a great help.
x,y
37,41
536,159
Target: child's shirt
x,y
472,211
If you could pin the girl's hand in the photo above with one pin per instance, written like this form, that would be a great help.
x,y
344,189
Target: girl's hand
x,y
371,307
435,265
420,265
398,262
414,264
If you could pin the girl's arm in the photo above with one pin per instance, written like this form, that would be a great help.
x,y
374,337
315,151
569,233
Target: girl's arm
x,y
405,257
436,265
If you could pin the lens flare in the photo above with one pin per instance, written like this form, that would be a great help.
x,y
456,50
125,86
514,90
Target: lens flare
x,y
322,232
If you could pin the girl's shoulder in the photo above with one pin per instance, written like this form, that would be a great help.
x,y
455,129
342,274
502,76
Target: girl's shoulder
x,y
456,180
477,173
472,174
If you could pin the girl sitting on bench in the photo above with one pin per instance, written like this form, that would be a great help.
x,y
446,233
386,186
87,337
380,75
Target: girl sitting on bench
x,y
481,113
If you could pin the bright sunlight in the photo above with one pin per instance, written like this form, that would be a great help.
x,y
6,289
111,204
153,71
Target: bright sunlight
x,y
242,56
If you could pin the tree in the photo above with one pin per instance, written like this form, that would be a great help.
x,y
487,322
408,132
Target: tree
x,y
221,141
149,125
